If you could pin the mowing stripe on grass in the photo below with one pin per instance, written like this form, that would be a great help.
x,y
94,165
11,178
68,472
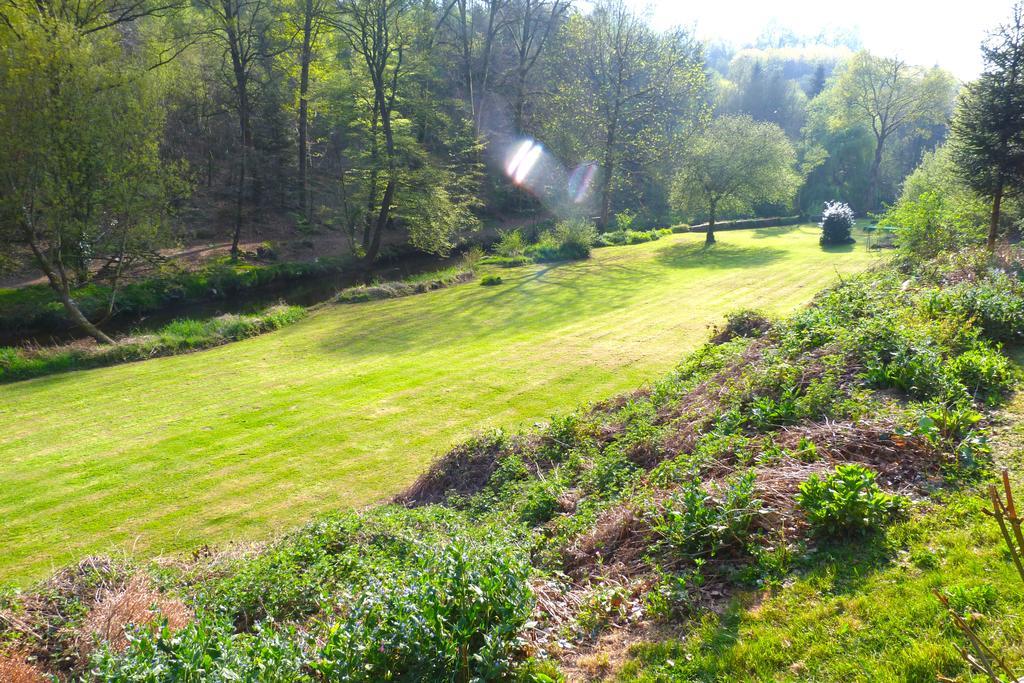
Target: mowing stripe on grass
x,y
348,405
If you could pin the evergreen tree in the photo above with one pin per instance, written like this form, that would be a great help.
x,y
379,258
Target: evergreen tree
x,y
988,130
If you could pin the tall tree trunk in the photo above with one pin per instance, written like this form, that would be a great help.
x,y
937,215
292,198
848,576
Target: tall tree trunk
x,y
993,225
383,218
239,202
876,172
307,36
467,61
709,237
520,103
245,134
609,169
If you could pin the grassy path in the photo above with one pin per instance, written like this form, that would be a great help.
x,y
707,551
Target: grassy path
x,y
347,406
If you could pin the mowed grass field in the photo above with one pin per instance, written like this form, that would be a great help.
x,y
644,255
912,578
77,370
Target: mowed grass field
x,y
349,405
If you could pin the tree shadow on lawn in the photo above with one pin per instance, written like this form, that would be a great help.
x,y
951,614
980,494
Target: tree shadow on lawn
x,y
718,256
778,231
507,310
839,248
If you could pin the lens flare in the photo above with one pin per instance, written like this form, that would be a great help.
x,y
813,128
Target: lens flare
x,y
580,181
523,160
533,169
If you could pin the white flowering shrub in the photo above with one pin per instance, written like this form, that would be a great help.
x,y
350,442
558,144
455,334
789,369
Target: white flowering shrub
x,y
836,223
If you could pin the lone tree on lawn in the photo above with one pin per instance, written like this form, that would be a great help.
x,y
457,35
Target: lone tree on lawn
x,y
736,163
988,129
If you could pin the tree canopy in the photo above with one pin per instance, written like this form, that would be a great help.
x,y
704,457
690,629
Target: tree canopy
x,y
734,164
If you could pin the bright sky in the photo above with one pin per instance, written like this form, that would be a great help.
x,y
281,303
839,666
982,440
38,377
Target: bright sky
x,y
939,32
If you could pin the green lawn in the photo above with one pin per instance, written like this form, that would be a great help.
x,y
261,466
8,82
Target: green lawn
x,y
347,406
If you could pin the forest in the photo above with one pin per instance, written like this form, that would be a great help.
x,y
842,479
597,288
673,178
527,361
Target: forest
x,y
139,127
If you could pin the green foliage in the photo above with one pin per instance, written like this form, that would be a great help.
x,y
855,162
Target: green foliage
x,y
836,224
996,304
936,212
624,221
736,163
490,280
569,240
390,595
455,615
987,138
691,523
847,501
35,307
674,593
208,649
418,284
620,237
511,244
968,599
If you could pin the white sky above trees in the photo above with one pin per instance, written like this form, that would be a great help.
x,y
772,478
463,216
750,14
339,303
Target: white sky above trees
x,y
921,32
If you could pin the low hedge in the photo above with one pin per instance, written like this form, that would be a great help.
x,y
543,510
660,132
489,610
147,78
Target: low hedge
x,y
746,223
398,288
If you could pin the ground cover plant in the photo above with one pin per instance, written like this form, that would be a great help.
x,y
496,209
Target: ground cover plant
x,y
567,240
346,406
418,284
516,554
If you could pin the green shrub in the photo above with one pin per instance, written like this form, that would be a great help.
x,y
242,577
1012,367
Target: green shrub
x,y
455,616
620,237
207,649
490,280
836,224
986,373
847,501
569,240
624,221
472,257
416,284
691,523
511,244
997,304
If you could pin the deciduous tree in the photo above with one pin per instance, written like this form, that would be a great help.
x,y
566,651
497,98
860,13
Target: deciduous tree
x,y
734,164
889,96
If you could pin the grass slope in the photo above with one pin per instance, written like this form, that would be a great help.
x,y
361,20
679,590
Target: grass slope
x,y
347,406
867,612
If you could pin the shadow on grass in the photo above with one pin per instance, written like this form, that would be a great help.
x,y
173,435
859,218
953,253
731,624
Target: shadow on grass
x,y
717,256
839,248
571,292
764,233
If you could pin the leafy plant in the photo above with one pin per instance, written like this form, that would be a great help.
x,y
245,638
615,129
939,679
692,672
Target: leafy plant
x,y
690,522
510,244
848,501
490,280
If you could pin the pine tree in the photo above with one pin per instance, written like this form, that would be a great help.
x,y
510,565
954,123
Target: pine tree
x,y
988,129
